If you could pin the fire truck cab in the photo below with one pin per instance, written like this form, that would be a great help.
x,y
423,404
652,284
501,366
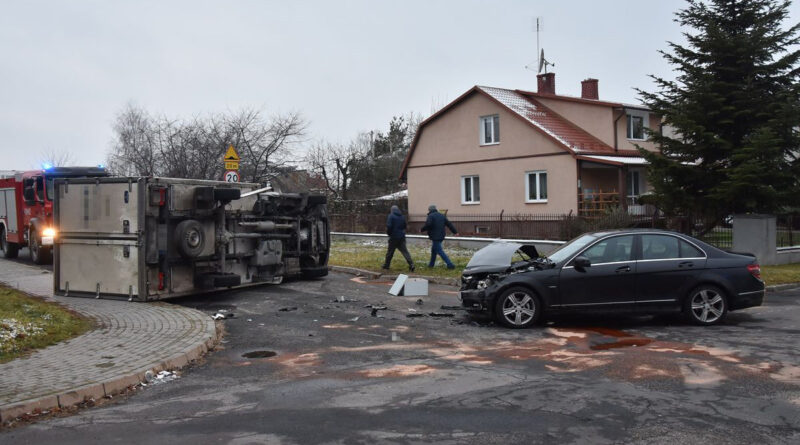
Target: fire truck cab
x,y
26,209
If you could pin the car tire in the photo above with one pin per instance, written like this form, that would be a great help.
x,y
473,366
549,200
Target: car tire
x,y
706,305
10,250
39,254
190,239
517,308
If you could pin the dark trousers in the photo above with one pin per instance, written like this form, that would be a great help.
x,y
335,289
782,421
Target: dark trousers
x,y
399,244
436,249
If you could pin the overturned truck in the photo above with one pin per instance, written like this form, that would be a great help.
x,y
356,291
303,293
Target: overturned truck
x,y
148,239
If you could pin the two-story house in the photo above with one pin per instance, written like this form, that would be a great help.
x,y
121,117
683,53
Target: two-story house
x,y
495,149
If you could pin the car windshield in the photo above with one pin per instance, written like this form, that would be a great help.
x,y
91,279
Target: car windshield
x,y
49,189
571,248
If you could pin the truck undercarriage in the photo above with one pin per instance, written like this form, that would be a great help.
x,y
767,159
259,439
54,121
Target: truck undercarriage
x,y
154,238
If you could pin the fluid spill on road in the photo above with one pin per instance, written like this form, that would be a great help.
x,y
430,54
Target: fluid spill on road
x,y
259,354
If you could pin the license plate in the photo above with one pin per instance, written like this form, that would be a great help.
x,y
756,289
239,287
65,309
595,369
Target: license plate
x,y
47,240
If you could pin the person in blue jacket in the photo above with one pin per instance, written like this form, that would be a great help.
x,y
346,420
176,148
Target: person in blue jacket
x,y
435,225
396,229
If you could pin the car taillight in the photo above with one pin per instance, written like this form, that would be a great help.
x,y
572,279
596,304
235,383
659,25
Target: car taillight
x,y
754,270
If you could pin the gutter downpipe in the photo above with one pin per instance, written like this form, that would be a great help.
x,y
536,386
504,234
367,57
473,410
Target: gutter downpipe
x,y
616,137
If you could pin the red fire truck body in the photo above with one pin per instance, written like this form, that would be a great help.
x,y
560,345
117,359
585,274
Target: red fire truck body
x,y
26,209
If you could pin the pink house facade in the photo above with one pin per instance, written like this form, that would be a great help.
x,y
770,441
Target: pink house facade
x,y
520,152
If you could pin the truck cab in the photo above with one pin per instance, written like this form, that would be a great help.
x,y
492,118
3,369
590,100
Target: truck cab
x,y
26,209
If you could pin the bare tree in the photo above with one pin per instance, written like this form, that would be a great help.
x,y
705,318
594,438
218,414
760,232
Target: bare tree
x,y
161,146
336,163
132,151
56,158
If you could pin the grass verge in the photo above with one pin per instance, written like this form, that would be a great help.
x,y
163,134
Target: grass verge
x,y
783,274
369,255
29,323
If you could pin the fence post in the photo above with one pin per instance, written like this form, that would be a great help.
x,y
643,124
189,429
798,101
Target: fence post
x,y
502,228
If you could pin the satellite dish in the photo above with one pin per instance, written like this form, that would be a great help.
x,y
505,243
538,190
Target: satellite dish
x,y
541,61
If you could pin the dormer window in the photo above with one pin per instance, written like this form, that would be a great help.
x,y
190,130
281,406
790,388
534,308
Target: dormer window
x,y
490,129
637,121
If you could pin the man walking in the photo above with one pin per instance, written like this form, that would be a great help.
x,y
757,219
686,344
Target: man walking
x,y
396,229
434,225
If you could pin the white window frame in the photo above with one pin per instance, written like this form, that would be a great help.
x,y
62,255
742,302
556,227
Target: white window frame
x,y
472,190
482,130
538,199
645,124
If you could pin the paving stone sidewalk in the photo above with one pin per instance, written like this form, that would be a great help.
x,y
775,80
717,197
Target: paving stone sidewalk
x,y
131,339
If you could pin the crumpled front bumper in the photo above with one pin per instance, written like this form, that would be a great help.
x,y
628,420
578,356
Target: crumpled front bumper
x,y
474,300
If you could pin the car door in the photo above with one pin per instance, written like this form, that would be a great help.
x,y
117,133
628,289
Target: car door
x,y
666,269
609,280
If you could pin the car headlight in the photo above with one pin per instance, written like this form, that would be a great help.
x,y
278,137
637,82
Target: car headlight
x,y
483,284
49,231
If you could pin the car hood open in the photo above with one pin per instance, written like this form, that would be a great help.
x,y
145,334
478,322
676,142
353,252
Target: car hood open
x,y
498,256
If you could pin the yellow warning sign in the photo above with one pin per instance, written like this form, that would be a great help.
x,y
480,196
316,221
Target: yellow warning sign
x,y
231,154
231,165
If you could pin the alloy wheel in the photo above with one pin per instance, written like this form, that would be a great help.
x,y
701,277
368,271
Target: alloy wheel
x,y
519,308
707,306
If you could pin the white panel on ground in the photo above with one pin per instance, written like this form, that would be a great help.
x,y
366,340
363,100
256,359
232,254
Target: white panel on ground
x,y
397,287
416,287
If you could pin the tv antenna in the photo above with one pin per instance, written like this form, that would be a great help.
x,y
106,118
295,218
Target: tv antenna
x,y
541,63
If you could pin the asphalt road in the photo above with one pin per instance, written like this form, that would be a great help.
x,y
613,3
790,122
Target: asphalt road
x,y
393,379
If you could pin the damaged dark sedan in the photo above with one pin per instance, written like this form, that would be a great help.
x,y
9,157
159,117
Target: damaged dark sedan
x,y
641,271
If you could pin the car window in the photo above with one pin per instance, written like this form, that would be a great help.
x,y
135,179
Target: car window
x,y
689,251
659,247
610,250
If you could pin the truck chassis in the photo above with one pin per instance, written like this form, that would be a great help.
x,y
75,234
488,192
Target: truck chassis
x,y
146,239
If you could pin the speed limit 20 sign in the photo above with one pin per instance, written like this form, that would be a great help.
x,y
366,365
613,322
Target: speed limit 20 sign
x,y
231,176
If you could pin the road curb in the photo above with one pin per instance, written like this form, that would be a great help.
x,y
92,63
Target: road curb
x,y
376,275
780,287
194,334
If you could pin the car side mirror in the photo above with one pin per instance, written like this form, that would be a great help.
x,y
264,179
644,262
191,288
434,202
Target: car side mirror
x,y
29,195
581,262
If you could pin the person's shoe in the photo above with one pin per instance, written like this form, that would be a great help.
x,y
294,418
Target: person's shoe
x,y
384,267
430,266
451,266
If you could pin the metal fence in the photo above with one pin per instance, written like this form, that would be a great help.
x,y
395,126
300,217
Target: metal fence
x,y
788,230
503,225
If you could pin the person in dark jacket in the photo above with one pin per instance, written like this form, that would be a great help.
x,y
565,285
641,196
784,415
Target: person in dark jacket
x,y
435,225
396,229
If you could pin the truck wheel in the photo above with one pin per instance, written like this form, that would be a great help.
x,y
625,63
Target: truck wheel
x,y
10,250
189,238
39,254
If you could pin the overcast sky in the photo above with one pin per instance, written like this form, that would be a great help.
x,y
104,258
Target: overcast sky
x,y
66,68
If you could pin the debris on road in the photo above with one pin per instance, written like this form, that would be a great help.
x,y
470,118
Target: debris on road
x,y
441,314
414,315
343,299
419,302
452,308
218,316
161,377
354,319
287,309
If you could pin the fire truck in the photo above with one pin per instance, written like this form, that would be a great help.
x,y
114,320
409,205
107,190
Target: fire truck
x,y
26,209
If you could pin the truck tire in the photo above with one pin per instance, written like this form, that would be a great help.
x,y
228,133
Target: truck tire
x,y
190,239
10,250
39,253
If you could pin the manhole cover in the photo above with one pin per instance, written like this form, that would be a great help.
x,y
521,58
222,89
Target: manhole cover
x,y
259,354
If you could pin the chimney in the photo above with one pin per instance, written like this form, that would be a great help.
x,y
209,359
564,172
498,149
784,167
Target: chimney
x,y
589,89
547,83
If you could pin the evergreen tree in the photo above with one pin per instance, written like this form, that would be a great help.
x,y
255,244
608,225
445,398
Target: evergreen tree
x,y
732,111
